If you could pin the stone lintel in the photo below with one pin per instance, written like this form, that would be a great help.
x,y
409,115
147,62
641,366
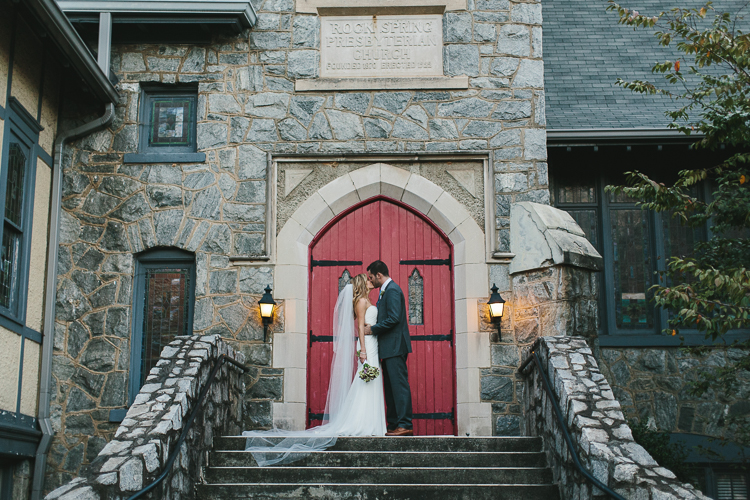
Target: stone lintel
x,y
429,83
543,236
378,7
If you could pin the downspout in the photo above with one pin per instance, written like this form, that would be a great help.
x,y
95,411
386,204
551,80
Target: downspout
x,y
48,339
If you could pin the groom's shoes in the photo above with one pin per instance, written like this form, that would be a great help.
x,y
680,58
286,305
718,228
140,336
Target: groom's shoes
x,y
400,431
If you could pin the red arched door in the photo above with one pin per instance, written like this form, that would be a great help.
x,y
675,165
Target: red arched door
x,y
419,259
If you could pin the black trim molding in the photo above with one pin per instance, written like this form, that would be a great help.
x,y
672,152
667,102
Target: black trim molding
x,y
45,156
334,263
26,118
19,434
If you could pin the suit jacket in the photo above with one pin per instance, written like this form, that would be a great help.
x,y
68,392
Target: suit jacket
x,y
392,328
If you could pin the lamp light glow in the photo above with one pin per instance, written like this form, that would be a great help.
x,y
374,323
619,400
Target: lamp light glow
x,y
267,306
266,310
497,307
496,310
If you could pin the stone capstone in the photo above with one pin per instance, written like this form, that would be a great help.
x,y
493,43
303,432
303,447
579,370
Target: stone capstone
x,y
547,235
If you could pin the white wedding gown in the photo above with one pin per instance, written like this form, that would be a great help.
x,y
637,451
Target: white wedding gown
x,y
353,407
363,411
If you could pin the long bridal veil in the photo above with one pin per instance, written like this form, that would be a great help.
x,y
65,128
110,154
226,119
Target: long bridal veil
x,y
279,446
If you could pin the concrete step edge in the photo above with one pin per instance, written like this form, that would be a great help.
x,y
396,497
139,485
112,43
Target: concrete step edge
x,y
389,438
386,485
404,452
322,467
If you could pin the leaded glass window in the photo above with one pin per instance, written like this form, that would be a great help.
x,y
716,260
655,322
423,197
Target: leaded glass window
x,y
168,120
13,224
634,243
163,301
165,314
632,268
344,280
416,298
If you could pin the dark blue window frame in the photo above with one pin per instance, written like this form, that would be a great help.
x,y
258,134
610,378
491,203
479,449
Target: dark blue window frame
x,y
161,258
160,154
20,127
6,479
610,334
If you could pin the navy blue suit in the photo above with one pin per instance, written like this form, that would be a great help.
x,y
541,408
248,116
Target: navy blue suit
x,y
394,345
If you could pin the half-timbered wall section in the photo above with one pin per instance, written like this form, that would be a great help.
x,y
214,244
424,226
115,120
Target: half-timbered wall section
x,y
29,91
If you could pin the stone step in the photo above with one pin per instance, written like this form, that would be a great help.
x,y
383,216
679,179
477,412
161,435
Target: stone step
x,y
390,491
378,475
392,459
421,443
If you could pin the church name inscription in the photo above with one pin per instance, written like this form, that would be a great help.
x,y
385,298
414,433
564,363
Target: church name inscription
x,y
381,46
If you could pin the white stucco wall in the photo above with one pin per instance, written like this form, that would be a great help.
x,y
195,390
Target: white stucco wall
x,y
10,357
39,238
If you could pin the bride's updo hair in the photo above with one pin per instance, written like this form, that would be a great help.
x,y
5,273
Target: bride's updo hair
x,y
359,288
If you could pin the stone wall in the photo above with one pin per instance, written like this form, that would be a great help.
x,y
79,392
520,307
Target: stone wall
x,y
111,212
653,384
547,296
594,418
556,301
247,107
147,436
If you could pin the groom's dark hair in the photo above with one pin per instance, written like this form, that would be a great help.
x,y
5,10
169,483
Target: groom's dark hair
x,y
378,267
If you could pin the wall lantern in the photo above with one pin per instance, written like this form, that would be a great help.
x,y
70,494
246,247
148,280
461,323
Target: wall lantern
x,y
267,305
497,308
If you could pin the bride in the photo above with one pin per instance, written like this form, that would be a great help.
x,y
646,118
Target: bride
x,y
354,407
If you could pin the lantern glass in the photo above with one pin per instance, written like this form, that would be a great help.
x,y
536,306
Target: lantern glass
x,y
266,310
496,310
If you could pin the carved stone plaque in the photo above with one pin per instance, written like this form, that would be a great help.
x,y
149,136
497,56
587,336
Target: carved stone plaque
x,y
381,46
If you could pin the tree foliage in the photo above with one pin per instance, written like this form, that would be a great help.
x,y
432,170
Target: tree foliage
x,y
710,82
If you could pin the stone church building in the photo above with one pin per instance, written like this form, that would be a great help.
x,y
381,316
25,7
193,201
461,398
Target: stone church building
x,y
227,149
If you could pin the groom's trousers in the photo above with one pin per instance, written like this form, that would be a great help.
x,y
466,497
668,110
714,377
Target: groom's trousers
x,y
397,392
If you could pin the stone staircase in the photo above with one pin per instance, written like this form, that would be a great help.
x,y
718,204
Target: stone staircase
x,y
431,468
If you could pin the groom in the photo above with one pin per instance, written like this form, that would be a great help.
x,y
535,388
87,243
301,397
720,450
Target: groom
x,y
394,345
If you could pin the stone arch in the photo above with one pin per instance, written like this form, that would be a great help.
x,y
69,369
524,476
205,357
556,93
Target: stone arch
x,y
470,283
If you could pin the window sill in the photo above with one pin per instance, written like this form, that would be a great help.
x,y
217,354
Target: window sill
x,y
164,158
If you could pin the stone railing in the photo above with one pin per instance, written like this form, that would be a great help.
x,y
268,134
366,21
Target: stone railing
x,y
154,422
600,434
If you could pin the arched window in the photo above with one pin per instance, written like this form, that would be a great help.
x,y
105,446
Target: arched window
x,y
344,280
163,299
416,298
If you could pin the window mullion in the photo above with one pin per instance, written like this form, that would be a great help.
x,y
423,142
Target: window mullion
x,y
609,261
661,316
14,226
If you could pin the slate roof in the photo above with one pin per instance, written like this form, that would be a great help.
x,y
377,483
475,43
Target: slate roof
x,y
585,51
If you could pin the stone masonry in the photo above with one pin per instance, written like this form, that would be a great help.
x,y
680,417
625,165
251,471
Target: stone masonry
x,y
594,418
247,108
551,297
653,384
147,436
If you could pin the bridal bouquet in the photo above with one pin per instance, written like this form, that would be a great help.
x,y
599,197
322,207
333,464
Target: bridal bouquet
x,y
369,373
